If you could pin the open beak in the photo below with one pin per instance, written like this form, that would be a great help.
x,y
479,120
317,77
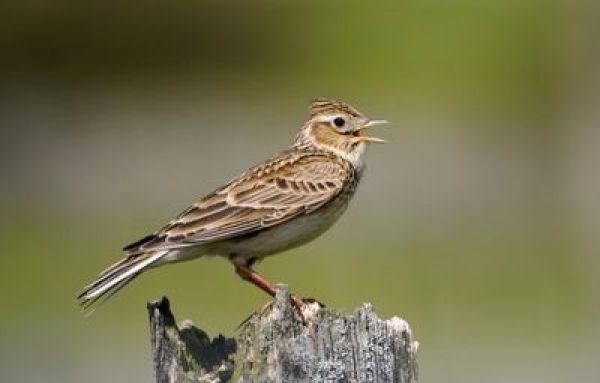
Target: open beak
x,y
370,124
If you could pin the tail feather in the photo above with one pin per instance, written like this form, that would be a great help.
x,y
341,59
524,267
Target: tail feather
x,y
105,275
89,306
117,276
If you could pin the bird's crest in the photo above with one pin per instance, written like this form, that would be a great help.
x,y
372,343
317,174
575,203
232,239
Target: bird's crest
x,y
326,106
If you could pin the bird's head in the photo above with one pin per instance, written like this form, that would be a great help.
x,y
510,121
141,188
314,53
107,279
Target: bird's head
x,y
337,127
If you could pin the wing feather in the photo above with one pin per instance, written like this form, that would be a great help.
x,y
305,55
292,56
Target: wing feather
x,y
269,194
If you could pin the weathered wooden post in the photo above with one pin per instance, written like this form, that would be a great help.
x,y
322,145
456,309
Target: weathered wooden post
x,y
274,346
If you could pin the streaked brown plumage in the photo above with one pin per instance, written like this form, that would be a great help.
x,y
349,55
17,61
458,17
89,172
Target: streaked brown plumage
x,y
279,204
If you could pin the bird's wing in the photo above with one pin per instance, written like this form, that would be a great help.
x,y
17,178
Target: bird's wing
x,y
266,195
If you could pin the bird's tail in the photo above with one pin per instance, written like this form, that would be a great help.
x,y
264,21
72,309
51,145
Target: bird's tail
x,y
117,276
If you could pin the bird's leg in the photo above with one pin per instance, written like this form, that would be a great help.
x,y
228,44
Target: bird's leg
x,y
247,274
253,277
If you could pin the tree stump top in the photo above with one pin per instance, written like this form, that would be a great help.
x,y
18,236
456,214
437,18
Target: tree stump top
x,y
275,346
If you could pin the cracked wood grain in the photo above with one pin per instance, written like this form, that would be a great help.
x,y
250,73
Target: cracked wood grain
x,y
274,346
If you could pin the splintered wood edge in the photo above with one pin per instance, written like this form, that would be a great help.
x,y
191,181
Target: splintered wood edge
x,y
175,362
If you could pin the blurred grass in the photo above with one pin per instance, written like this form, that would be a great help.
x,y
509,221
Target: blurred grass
x,y
490,280
521,272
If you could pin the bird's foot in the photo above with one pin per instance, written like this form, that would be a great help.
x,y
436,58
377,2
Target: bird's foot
x,y
298,306
305,308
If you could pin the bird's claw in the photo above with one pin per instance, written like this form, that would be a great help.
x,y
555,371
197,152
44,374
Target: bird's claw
x,y
298,305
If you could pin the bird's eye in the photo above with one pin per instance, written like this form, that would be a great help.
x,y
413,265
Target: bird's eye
x,y
339,122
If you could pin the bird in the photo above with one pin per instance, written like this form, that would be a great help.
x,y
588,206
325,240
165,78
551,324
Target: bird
x,y
278,204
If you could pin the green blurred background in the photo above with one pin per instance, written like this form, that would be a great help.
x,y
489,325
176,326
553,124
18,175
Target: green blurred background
x,y
479,223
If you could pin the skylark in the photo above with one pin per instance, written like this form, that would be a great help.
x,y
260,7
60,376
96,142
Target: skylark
x,y
279,204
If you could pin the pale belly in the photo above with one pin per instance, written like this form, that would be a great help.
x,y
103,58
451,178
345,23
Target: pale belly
x,y
286,236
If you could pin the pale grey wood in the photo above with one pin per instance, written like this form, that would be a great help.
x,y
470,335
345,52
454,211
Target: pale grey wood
x,y
275,346
185,354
